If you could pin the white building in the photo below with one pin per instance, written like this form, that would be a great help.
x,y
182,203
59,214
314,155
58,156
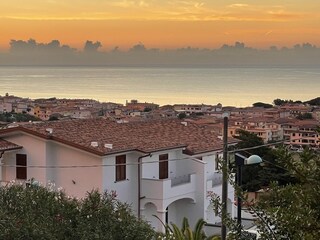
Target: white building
x,y
165,168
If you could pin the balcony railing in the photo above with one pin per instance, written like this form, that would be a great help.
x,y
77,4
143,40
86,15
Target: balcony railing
x,y
216,180
168,188
180,180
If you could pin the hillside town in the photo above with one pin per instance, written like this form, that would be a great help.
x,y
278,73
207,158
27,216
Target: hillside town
x,y
164,161
294,123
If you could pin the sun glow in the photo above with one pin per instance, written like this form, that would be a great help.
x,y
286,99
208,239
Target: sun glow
x,y
161,24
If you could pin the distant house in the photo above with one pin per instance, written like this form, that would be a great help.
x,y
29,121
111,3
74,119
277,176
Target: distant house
x,y
305,135
265,128
194,108
134,105
165,168
5,107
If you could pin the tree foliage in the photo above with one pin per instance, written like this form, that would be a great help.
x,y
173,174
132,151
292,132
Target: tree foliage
x,y
254,177
279,102
173,232
293,210
289,211
182,115
17,117
303,116
261,104
314,102
37,212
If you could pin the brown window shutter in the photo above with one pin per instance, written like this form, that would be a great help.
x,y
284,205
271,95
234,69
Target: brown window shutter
x,y
21,169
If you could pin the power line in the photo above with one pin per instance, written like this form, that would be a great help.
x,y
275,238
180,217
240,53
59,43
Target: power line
x,y
141,163
97,165
255,147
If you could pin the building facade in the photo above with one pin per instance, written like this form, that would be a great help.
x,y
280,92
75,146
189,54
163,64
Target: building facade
x,y
164,168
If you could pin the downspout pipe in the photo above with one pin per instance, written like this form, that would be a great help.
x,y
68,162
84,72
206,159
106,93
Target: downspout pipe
x,y
139,182
1,158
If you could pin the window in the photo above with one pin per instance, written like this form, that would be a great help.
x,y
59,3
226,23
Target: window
x,y
120,168
163,166
216,161
21,169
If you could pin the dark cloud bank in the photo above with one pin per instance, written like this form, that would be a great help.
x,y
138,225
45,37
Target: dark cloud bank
x,y
53,53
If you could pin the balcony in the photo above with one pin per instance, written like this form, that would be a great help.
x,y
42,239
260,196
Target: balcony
x,y
168,188
215,181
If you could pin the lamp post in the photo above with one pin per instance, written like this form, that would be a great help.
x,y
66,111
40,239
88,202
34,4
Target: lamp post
x,y
240,161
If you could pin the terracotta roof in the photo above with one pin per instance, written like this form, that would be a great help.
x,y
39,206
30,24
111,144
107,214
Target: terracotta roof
x,y
307,123
286,120
146,137
6,145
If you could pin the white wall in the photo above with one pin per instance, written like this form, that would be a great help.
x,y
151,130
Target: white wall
x,y
77,181
150,165
127,190
41,152
195,210
35,149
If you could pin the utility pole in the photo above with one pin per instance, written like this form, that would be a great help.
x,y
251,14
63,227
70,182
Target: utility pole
x,y
224,179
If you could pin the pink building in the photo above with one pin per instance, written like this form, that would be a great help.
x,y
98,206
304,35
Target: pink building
x,y
166,168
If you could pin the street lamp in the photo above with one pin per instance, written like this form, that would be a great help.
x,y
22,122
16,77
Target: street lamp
x,y
240,161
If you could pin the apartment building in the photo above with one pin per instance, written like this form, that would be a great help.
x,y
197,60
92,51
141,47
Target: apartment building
x,y
166,168
196,108
265,128
305,135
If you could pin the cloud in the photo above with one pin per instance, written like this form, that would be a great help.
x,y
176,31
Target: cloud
x,y
268,33
32,45
282,14
129,3
92,46
238,5
31,52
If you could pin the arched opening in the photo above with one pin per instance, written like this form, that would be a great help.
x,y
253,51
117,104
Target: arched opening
x,y
212,214
149,212
181,208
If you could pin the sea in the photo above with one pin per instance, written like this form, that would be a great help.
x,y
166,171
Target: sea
x,y
239,87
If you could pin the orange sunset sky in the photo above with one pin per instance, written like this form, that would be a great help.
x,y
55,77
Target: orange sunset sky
x,y
161,23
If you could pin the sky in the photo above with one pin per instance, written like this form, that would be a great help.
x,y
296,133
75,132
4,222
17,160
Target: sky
x,y
160,23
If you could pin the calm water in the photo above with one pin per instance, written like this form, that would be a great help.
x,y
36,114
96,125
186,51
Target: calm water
x,y
229,86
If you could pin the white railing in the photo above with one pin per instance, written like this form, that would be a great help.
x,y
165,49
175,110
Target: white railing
x,y
168,188
217,179
180,180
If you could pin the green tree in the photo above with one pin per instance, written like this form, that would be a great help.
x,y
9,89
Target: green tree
x,y
303,116
17,117
290,211
261,104
293,210
53,118
314,102
182,115
254,177
37,212
279,102
173,232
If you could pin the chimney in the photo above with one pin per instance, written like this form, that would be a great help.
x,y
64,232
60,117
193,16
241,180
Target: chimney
x,y
184,123
108,145
49,130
